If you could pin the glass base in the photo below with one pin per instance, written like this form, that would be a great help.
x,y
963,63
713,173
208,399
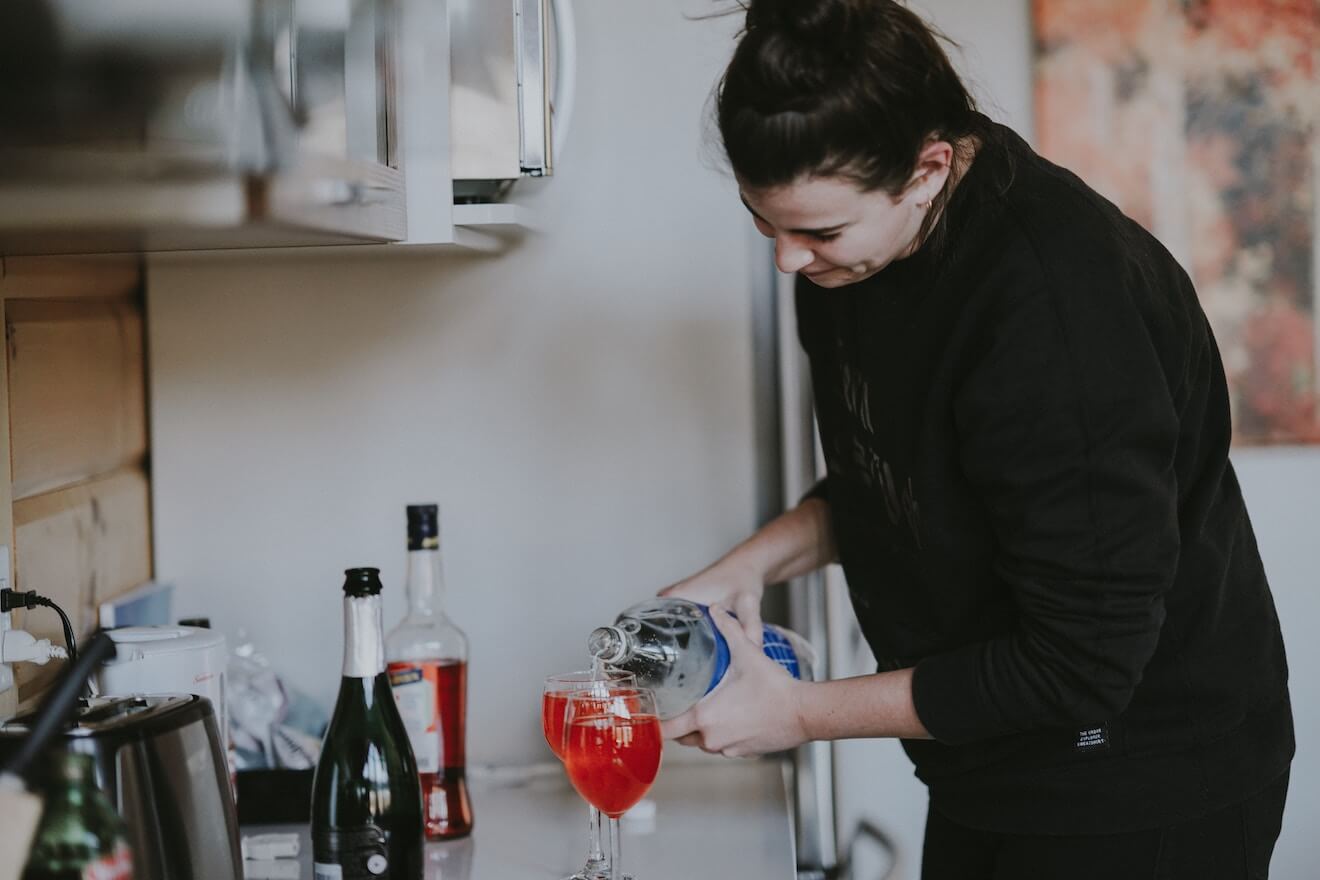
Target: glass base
x,y
594,870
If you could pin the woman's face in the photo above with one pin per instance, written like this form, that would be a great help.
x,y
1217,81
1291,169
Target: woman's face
x,y
832,232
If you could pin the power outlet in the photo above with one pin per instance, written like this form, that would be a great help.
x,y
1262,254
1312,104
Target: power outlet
x,y
6,619
8,690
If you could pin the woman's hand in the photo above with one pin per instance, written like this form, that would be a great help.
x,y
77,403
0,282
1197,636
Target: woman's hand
x,y
753,710
732,583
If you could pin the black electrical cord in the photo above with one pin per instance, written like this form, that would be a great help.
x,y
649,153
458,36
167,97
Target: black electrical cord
x,y
70,641
11,599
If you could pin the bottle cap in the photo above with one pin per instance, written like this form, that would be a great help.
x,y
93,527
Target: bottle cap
x,y
423,527
362,582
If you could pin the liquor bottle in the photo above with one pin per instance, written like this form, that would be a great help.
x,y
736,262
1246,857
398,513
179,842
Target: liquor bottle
x,y
80,835
366,802
427,657
674,648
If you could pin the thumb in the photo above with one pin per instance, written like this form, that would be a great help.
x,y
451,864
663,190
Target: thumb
x,y
739,644
748,609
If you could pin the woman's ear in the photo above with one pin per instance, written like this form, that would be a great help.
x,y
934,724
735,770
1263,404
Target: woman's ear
x,y
934,163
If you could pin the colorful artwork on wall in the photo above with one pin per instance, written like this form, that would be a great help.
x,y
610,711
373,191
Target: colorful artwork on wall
x,y
1201,120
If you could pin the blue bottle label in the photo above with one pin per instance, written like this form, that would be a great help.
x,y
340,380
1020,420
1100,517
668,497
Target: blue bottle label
x,y
775,646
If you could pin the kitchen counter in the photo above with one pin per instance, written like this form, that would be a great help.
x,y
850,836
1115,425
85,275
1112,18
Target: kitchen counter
x,y
712,819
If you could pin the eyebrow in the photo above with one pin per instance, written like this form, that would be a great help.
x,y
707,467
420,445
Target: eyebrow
x,y
824,230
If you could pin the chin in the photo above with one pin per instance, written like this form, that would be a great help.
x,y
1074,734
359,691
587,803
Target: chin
x,y
832,278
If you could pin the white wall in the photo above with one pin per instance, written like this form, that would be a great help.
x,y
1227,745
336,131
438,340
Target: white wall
x,y
1281,486
580,406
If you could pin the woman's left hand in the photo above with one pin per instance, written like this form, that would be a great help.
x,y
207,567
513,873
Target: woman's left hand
x,y
755,709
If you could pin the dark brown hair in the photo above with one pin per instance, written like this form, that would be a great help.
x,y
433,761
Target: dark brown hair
x,y
852,88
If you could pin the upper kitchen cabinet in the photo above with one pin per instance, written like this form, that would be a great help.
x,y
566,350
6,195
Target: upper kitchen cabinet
x,y
151,125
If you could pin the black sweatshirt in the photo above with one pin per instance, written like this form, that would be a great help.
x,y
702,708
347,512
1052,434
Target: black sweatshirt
x,y
1026,432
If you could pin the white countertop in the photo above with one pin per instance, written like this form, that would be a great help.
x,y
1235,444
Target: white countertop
x,y
713,819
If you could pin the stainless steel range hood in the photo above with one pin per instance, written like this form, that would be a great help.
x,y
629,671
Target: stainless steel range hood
x,y
145,125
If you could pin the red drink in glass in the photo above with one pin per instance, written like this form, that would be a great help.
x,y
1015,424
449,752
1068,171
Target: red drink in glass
x,y
552,721
556,694
612,762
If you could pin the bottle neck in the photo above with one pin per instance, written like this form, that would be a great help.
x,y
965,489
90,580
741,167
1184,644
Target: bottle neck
x,y
364,642
611,645
426,585
70,775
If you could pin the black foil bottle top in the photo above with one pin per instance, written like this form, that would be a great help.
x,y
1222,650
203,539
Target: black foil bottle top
x,y
359,582
423,527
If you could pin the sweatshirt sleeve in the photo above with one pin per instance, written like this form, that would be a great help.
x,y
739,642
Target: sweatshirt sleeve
x,y
820,490
1068,432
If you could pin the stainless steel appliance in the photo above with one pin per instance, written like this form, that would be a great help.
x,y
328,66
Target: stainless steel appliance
x,y
152,125
836,836
512,70
160,761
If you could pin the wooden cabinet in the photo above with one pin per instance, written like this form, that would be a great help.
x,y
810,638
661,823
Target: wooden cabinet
x,y
76,508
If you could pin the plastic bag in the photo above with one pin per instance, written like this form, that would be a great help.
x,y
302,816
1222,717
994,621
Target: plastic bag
x,y
271,725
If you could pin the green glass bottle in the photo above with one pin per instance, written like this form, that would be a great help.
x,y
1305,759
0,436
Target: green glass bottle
x,y
80,837
366,796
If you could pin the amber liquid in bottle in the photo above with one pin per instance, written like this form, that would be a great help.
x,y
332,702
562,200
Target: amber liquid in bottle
x,y
427,657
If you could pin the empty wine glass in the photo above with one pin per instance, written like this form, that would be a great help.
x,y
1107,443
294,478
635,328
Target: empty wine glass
x,y
612,747
554,700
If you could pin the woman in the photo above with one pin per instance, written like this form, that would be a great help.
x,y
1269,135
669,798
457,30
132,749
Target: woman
x,y
1026,431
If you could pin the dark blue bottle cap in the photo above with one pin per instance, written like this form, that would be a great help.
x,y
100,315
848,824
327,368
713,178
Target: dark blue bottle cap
x,y
423,526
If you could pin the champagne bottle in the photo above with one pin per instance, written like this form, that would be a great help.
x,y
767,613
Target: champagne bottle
x,y
80,835
427,657
366,801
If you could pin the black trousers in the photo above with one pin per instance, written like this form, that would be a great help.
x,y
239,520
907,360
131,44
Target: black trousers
x,y
1234,843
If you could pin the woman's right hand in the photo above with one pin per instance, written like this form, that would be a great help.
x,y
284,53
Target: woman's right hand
x,y
732,583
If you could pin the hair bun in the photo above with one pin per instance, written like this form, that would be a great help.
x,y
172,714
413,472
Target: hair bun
x,y
821,22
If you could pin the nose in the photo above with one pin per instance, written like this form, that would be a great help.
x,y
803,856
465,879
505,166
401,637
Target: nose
x,y
791,255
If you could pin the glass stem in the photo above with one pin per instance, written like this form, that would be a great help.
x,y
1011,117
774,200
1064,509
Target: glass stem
x,y
594,854
616,857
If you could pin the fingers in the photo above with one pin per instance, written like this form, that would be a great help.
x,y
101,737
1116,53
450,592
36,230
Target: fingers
x,y
739,644
748,609
698,741
686,730
680,726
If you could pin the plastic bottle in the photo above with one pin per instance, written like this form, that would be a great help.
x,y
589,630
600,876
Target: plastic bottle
x,y
674,648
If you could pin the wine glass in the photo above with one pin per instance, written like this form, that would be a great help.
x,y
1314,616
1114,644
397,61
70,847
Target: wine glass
x,y
554,700
612,746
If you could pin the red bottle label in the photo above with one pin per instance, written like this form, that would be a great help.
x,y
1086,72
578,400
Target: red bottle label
x,y
432,698
118,865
